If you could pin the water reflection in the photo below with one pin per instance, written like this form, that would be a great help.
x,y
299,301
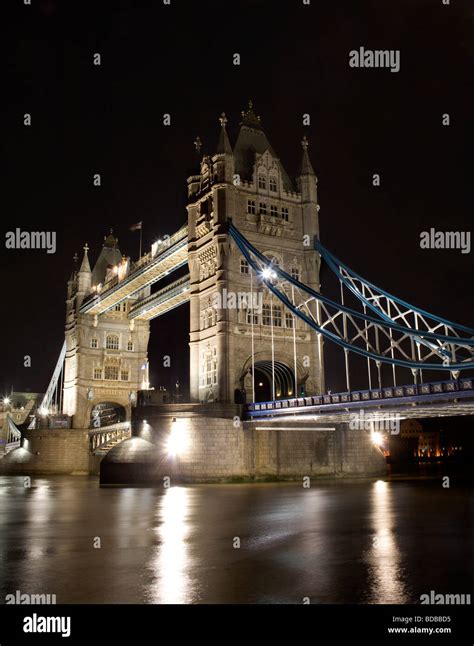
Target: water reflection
x,y
384,558
172,562
336,543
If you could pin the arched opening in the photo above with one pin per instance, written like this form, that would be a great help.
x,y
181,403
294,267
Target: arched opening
x,y
263,386
284,371
107,413
284,381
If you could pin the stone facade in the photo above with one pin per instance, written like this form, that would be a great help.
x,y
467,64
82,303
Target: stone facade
x,y
249,185
217,446
50,452
106,356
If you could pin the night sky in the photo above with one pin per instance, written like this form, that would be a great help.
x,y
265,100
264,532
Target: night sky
x,y
177,59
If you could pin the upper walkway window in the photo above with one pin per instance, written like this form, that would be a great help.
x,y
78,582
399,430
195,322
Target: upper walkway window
x,y
112,342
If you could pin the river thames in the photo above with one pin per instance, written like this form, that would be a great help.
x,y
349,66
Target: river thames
x,y
340,542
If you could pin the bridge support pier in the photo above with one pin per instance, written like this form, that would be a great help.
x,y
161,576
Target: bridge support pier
x,y
209,443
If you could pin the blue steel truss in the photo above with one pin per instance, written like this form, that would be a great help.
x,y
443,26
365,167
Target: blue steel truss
x,y
401,335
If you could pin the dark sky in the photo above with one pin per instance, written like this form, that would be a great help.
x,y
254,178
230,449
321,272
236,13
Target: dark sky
x,y
178,59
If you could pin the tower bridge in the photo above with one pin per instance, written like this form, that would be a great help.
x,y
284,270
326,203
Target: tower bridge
x,y
250,229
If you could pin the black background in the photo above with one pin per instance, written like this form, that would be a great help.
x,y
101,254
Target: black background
x,y
178,59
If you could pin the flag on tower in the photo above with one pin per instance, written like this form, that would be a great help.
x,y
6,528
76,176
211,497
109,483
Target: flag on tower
x,y
136,227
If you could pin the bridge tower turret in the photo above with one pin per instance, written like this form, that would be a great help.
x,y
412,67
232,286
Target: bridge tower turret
x,y
248,184
106,359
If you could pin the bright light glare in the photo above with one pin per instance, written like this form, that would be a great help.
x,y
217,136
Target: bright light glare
x,y
176,443
377,438
43,410
268,273
6,400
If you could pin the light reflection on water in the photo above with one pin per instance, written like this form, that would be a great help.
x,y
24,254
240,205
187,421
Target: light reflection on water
x,y
384,558
352,542
171,563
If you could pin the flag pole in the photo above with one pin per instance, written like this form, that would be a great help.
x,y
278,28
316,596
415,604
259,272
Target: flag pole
x,y
141,229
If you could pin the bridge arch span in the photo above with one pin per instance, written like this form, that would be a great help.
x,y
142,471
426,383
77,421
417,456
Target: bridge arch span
x,y
105,413
284,376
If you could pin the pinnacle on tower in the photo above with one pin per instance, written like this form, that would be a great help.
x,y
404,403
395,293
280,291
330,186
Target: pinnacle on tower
x,y
85,266
110,240
306,167
198,145
223,147
250,118
73,275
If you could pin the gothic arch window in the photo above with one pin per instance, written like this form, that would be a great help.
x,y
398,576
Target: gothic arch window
x,y
244,266
214,366
262,182
266,314
94,343
273,184
130,346
276,315
210,317
111,373
112,342
295,272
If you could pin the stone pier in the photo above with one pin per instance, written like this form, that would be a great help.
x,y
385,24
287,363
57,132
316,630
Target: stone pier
x,y
215,445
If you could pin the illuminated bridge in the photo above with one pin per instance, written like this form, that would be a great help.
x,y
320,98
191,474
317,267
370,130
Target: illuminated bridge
x,y
384,330
248,263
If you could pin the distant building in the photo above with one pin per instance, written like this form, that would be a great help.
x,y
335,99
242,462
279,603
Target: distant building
x,y
18,406
419,442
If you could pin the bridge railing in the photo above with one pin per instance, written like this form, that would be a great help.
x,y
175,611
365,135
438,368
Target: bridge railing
x,y
13,436
100,437
149,257
393,392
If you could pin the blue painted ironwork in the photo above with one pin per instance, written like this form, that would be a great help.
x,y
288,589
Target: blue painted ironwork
x,y
443,347
407,394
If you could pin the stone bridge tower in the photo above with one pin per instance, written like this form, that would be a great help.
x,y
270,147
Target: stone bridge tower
x,y
106,356
248,184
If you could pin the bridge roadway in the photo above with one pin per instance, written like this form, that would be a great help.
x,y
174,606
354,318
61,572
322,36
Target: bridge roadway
x,y
439,399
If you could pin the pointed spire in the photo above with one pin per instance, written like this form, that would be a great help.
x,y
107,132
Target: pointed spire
x,y
198,145
85,266
75,260
250,118
223,147
110,240
306,167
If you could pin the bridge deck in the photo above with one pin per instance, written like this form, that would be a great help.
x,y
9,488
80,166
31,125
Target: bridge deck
x,y
441,399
